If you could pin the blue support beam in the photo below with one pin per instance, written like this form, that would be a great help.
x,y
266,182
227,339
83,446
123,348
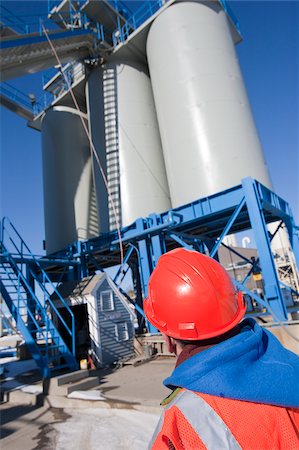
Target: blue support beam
x,y
121,268
180,241
294,238
272,289
157,242
248,206
228,227
144,265
198,225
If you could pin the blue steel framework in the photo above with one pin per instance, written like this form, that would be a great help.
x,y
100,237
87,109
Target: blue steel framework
x,y
200,225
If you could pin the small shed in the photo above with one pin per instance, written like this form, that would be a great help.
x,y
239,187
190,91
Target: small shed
x,y
104,319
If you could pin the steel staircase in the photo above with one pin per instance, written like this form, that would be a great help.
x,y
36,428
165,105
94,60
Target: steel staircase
x,y
24,54
32,317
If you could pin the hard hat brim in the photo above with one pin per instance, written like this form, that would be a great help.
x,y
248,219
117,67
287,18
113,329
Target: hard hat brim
x,y
196,335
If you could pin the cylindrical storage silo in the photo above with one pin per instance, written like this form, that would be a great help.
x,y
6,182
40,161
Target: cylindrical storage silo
x,y
96,122
134,160
69,197
208,134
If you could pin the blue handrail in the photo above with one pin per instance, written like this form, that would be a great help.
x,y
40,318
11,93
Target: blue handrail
x,y
68,71
14,94
24,23
36,106
146,10
22,302
34,22
12,21
53,3
230,14
9,230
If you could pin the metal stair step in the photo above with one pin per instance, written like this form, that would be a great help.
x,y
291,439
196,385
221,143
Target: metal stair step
x,y
52,347
11,285
41,330
63,354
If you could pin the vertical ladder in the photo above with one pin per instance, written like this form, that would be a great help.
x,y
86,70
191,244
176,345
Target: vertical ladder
x,y
112,145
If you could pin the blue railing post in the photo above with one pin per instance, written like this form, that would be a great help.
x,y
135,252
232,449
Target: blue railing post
x,y
19,97
295,240
150,7
2,231
100,32
18,291
145,262
73,336
71,15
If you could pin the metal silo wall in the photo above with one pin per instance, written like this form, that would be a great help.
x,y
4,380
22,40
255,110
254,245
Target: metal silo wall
x,y
95,108
69,195
134,161
208,134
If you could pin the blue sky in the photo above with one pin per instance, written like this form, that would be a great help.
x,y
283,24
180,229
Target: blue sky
x,y
268,55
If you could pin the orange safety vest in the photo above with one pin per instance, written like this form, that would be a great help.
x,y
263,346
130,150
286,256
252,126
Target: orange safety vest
x,y
200,421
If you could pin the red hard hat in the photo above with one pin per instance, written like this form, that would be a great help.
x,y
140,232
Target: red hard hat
x,y
191,297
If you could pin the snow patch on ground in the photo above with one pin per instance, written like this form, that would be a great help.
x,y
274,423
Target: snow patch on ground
x,y
32,389
11,340
101,429
87,395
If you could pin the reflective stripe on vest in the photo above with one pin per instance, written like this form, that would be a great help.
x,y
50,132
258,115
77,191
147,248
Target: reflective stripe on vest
x,y
204,420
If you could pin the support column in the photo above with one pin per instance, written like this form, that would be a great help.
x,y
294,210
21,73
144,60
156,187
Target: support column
x,y
139,301
150,250
272,289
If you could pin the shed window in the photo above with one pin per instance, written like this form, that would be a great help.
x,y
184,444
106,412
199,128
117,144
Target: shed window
x,y
121,331
107,301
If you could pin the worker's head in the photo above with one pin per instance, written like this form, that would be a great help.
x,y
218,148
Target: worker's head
x,y
191,297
